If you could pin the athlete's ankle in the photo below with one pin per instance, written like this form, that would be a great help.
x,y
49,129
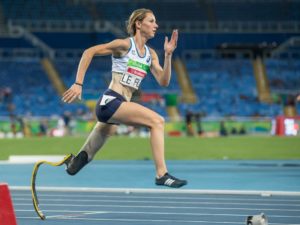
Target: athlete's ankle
x,y
159,175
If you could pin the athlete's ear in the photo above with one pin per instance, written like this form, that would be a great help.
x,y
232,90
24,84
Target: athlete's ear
x,y
138,24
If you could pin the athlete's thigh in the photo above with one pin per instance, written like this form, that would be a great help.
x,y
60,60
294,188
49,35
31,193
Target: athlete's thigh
x,y
131,113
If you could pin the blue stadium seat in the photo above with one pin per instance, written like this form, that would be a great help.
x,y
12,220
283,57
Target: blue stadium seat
x,y
226,88
32,92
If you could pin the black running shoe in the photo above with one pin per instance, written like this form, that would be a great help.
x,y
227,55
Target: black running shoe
x,y
75,164
170,181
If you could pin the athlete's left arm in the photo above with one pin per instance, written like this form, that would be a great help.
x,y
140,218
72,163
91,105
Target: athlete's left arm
x,y
163,75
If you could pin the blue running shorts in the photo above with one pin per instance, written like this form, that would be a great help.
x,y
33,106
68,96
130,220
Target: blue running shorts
x,y
108,104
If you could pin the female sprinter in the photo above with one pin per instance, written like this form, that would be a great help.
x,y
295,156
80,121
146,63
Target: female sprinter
x,y
131,60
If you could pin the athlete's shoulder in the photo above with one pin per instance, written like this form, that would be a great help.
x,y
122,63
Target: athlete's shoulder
x,y
120,46
153,53
151,49
122,43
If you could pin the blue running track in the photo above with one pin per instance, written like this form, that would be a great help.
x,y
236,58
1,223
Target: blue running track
x,y
123,193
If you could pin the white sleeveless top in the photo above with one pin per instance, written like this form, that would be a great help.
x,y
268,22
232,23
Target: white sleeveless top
x,y
133,66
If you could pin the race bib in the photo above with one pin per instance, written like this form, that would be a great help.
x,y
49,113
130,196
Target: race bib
x,y
134,74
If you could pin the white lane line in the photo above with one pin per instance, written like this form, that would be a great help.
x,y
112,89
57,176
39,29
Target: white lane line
x,y
149,190
73,213
156,221
142,220
78,196
154,202
155,206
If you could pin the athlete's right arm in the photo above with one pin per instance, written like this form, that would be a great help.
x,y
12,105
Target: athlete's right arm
x,y
117,47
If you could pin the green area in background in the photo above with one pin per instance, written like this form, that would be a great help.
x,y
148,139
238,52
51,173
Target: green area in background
x,y
181,148
214,126
82,127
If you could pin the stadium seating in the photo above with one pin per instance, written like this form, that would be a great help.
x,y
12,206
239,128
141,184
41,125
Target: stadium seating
x,y
256,10
73,40
32,92
191,10
44,10
226,88
164,10
6,42
192,41
283,74
187,41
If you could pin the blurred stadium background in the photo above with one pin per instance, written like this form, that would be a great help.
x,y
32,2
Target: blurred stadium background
x,y
236,70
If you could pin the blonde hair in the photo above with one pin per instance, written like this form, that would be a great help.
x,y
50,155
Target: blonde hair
x,y
136,15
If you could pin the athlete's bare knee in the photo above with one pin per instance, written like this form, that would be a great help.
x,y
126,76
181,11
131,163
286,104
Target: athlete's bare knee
x,y
158,122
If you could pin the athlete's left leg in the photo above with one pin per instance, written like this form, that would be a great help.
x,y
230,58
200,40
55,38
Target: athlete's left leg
x,y
131,113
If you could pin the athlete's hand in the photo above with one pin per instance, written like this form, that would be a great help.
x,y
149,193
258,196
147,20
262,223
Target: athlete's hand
x,y
298,98
72,93
171,45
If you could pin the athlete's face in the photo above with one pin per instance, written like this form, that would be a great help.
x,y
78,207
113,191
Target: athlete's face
x,y
148,26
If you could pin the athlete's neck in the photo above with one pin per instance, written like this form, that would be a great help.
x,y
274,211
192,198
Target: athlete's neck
x,y
140,42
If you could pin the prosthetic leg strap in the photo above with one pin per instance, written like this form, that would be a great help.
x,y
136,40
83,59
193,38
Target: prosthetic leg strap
x,y
33,181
